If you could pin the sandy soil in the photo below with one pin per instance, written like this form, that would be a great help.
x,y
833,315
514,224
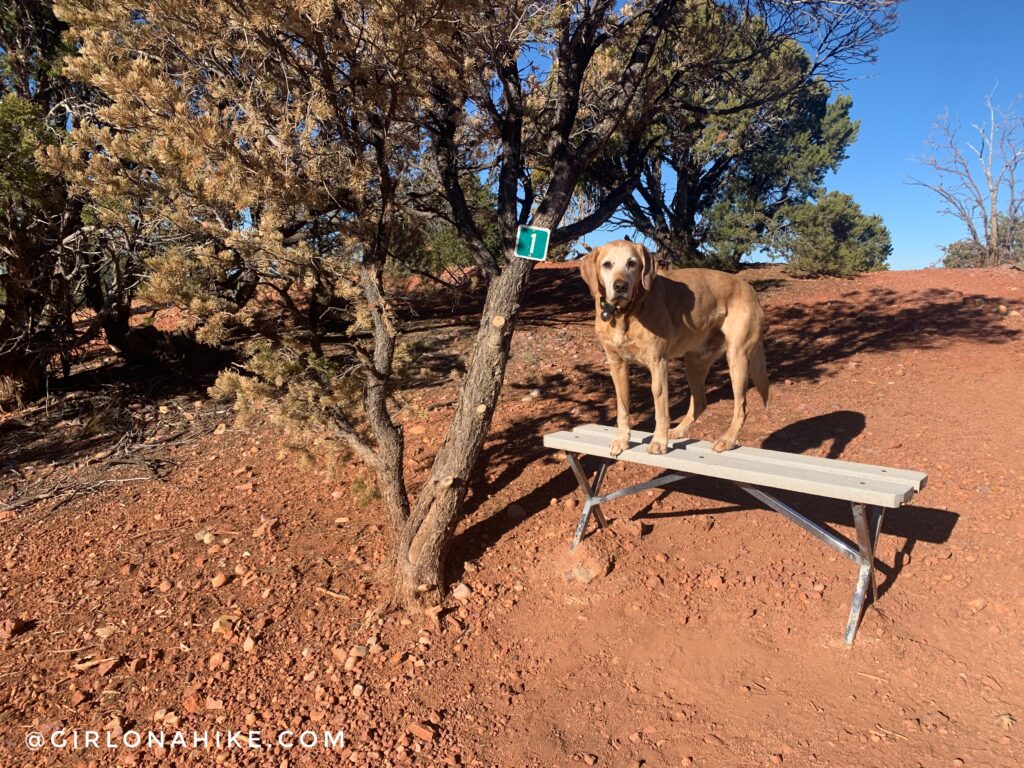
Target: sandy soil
x,y
228,588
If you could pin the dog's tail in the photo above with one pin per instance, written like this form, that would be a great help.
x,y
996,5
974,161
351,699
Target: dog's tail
x,y
759,373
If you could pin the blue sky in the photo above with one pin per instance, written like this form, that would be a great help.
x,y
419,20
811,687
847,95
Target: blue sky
x,y
944,53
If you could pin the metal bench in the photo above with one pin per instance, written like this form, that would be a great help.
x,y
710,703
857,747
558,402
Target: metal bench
x,y
869,489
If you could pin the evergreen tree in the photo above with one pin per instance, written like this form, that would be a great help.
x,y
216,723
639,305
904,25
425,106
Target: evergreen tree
x,y
831,236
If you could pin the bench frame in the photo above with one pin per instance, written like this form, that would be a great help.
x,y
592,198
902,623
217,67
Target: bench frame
x,y
862,553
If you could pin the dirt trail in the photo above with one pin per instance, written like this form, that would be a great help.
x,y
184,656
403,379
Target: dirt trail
x,y
709,635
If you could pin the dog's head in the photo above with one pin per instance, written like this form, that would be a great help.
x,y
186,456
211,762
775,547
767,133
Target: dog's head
x,y
617,271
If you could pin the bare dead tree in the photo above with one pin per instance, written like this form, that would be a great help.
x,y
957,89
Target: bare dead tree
x,y
978,180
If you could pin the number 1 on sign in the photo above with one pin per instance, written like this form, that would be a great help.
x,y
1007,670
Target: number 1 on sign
x,y
532,243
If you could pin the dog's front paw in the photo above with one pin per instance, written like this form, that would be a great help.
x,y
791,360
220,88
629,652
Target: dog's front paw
x,y
657,446
619,444
723,445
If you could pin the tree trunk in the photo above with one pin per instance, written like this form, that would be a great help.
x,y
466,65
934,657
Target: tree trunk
x,y
423,543
22,364
22,377
684,246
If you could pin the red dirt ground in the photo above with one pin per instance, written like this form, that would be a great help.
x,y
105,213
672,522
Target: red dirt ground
x,y
714,639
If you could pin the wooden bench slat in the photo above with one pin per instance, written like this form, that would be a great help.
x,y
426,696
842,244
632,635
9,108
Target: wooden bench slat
x,y
736,468
795,460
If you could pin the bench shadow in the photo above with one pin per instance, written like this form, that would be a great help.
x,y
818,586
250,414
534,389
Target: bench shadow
x,y
913,523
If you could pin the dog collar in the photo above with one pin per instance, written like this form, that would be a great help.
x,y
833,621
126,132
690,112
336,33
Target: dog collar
x,y
608,311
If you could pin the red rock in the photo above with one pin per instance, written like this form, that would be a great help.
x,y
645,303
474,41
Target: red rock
x,y
12,627
106,667
115,727
422,730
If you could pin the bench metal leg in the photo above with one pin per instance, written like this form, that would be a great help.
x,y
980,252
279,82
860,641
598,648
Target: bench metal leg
x,y
591,502
819,532
880,512
866,544
863,554
592,498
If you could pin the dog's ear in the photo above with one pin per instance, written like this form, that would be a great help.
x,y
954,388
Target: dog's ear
x,y
588,270
650,262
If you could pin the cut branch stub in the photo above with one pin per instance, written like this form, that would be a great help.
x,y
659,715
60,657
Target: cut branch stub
x,y
498,321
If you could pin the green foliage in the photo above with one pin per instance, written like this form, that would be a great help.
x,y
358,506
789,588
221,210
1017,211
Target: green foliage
x,y
765,133
786,168
32,49
431,244
964,254
831,237
31,52
23,132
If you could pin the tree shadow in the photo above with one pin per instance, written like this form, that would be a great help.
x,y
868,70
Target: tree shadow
x,y
804,342
94,410
765,284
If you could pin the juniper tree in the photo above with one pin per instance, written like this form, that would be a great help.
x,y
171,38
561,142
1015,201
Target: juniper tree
x,y
35,215
68,270
299,143
830,236
755,128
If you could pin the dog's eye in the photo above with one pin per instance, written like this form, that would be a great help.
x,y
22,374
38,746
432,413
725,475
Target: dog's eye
x,y
607,265
631,263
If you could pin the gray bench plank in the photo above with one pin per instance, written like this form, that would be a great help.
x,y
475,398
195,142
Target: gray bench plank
x,y
795,460
742,469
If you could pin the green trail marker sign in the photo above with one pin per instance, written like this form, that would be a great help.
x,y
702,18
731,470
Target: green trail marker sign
x,y
532,243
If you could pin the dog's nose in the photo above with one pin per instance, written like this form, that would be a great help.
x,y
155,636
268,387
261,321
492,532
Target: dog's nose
x,y
620,286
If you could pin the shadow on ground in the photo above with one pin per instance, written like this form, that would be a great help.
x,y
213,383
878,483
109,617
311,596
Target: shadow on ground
x,y
92,416
519,445
836,429
807,341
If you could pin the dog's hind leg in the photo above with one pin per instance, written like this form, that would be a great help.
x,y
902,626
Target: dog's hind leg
x,y
739,370
697,367
759,372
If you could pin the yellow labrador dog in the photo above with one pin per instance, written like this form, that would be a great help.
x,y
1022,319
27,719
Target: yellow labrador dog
x,y
651,318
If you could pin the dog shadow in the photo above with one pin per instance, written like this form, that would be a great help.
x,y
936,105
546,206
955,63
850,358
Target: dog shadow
x,y
836,429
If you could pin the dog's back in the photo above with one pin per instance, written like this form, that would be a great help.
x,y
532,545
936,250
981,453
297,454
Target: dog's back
x,y
706,301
